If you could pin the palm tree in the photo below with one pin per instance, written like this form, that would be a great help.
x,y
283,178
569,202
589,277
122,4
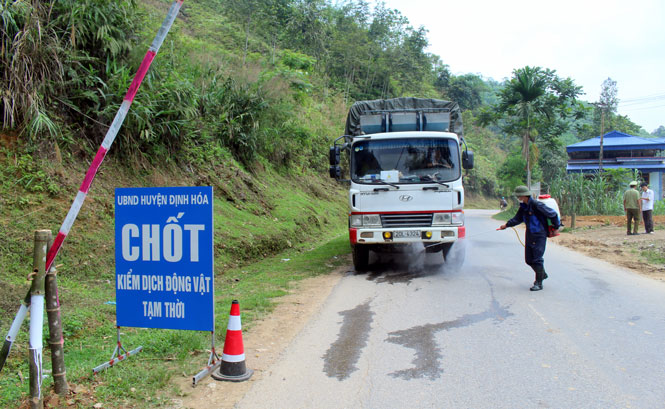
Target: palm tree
x,y
520,97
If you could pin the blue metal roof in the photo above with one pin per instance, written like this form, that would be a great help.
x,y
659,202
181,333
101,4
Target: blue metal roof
x,y
615,141
652,167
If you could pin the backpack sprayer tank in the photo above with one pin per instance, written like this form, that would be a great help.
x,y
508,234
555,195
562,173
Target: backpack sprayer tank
x,y
552,204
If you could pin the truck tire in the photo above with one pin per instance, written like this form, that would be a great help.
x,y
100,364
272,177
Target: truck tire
x,y
454,254
360,257
445,250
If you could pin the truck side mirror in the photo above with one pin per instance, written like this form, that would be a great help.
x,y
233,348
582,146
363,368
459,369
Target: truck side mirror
x,y
467,159
334,156
335,172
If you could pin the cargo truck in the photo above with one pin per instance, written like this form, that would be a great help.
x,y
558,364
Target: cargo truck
x,y
406,157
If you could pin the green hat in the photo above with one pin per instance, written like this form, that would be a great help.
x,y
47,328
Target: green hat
x,y
633,183
522,191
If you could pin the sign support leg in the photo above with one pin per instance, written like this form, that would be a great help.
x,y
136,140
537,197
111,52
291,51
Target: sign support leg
x,y
213,363
117,356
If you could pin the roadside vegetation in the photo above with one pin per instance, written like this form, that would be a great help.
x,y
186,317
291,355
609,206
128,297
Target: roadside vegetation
x,y
264,243
244,96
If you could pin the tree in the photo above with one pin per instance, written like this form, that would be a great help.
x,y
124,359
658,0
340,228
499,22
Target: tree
x,y
552,161
623,124
608,106
308,30
660,132
535,103
244,10
466,90
511,172
519,98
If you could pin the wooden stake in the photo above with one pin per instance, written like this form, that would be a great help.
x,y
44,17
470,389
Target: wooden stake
x,y
55,341
37,317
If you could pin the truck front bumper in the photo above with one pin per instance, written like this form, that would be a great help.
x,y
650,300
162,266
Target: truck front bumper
x,y
426,235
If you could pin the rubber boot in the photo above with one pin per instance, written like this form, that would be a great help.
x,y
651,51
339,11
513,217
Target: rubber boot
x,y
545,276
540,276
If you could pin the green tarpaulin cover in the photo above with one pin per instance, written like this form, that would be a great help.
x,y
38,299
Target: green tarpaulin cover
x,y
402,105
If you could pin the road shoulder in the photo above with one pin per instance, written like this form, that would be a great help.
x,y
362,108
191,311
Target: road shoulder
x,y
610,243
264,343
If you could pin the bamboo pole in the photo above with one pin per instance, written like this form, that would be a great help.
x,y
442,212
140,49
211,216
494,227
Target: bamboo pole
x,y
42,238
56,341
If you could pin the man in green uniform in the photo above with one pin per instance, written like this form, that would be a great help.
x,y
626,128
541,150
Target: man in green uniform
x,y
632,206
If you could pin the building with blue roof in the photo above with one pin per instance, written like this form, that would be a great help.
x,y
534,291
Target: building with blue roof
x,y
622,150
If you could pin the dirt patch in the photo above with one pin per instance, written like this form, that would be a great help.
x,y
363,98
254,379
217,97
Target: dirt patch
x,y
264,343
604,237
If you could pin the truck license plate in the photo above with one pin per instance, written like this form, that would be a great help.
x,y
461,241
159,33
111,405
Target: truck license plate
x,y
402,234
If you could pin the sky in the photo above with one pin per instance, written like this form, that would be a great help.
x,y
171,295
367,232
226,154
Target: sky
x,y
588,41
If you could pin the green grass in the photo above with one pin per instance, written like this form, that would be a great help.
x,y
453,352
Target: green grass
x,y
505,215
475,201
653,256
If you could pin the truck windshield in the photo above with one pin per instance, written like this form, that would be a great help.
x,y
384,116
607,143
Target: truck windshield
x,y
408,160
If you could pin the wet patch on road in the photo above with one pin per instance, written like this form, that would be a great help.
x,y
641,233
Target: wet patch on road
x,y
396,276
422,340
600,286
341,358
404,270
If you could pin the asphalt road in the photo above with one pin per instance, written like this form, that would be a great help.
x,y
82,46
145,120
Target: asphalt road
x,y
413,333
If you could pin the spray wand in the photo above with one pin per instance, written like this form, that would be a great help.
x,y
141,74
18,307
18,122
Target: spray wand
x,y
518,236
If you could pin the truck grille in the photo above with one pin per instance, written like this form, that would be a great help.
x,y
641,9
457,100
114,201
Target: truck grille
x,y
407,220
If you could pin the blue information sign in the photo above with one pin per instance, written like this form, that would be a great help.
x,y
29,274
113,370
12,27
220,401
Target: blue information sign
x,y
163,258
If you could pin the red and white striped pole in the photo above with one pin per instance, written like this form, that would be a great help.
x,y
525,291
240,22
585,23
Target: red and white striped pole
x,y
112,132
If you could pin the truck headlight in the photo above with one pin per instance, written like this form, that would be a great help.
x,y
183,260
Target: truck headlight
x,y
446,219
457,217
441,219
365,220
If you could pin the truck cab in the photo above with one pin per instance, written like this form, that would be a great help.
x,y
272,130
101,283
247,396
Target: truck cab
x,y
405,168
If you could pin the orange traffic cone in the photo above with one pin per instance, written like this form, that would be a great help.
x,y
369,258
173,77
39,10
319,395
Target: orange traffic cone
x,y
233,367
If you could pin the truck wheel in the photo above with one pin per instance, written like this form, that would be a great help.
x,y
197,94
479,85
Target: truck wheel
x,y
454,254
360,257
445,250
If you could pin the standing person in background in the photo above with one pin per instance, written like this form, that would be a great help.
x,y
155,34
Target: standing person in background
x,y
632,206
647,207
535,215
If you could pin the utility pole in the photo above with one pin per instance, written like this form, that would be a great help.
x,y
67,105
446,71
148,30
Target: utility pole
x,y
608,105
602,131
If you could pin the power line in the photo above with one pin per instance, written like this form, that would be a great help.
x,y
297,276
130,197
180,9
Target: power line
x,y
636,108
646,97
642,100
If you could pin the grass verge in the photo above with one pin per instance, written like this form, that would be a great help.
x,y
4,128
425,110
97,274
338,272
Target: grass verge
x,y
505,215
653,256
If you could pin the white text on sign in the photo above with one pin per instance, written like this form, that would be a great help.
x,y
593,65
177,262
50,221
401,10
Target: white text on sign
x,y
169,283
157,241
